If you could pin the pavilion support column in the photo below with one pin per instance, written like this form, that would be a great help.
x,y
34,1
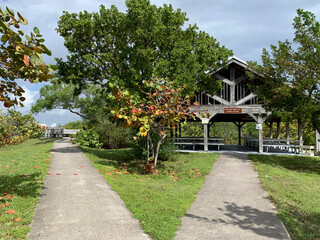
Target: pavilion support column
x,y
317,146
239,126
260,121
300,136
205,123
278,129
179,129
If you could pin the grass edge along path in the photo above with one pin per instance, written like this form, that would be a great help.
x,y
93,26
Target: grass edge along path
x,y
293,184
158,201
23,169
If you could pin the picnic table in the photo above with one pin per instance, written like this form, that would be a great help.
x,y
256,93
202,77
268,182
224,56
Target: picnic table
x,y
196,141
281,144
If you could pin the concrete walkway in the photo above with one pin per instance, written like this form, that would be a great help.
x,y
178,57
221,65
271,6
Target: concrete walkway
x,y
77,203
232,205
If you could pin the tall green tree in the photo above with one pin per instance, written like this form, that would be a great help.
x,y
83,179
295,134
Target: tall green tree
x,y
20,57
110,47
291,73
90,105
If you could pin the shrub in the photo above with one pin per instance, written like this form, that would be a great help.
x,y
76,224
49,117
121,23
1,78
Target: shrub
x,y
16,128
89,138
113,136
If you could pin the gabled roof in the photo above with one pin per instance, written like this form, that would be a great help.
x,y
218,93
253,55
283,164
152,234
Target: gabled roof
x,y
239,62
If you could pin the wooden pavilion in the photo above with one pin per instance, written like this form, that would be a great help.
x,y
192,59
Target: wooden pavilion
x,y
234,102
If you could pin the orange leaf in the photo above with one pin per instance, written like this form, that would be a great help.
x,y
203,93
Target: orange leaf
x,y
17,219
11,211
36,167
26,60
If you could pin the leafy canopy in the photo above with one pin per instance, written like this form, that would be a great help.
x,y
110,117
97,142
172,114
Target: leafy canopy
x,y
160,109
291,73
110,47
19,58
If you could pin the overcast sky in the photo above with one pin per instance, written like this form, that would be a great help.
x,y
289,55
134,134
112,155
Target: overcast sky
x,y
245,26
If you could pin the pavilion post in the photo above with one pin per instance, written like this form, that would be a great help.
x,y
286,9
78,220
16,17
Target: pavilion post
x,y
205,123
317,146
278,129
239,126
300,137
260,122
179,129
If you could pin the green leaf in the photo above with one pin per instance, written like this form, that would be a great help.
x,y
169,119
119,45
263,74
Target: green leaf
x,y
28,38
4,38
3,25
36,30
10,11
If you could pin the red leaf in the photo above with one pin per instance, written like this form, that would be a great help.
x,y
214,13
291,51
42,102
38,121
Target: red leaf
x,y
81,166
75,174
36,167
11,211
58,173
48,173
134,110
114,177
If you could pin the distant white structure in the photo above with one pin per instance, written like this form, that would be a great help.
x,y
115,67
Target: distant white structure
x,y
59,132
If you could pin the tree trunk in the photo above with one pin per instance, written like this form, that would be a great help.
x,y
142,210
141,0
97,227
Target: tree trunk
x,y
157,151
151,144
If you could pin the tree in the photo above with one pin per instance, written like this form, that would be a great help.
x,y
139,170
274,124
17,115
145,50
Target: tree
x,y
90,105
291,73
160,109
110,47
19,58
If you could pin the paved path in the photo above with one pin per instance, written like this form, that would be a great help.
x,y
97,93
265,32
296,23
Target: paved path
x,y
80,206
232,205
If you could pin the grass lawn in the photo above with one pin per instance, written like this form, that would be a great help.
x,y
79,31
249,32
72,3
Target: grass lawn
x,y
157,201
23,168
293,184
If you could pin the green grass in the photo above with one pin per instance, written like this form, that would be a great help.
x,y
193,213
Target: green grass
x,y
23,168
293,184
157,201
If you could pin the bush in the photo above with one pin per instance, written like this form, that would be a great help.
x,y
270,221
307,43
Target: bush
x,y
89,138
16,128
112,136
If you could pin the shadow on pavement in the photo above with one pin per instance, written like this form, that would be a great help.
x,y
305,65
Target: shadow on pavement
x,y
248,218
